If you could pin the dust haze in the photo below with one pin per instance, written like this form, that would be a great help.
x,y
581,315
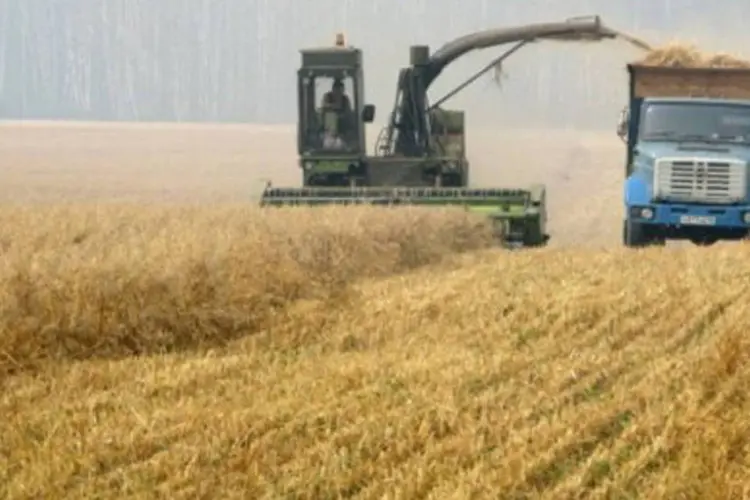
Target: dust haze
x,y
552,120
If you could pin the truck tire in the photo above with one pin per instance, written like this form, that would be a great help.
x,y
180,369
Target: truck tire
x,y
706,241
635,235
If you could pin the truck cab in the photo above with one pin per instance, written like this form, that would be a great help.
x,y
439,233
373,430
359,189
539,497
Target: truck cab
x,y
332,114
687,132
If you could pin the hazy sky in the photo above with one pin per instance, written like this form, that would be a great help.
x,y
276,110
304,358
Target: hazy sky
x,y
236,59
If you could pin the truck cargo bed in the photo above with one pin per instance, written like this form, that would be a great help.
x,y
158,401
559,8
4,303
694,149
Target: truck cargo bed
x,y
666,81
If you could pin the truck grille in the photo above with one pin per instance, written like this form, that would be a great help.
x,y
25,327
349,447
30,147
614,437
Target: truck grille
x,y
700,180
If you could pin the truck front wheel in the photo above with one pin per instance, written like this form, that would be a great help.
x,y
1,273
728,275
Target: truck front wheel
x,y
704,241
636,235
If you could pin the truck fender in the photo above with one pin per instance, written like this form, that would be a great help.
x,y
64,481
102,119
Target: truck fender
x,y
637,191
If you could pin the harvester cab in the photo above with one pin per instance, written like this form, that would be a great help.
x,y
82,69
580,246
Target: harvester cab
x,y
420,155
332,115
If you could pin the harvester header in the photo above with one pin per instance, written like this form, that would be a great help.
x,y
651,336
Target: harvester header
x,y
516,213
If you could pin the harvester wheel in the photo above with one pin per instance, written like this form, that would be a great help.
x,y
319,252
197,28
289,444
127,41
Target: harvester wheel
x,y
536,239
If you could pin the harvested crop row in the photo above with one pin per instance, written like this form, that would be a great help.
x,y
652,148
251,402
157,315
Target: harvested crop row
x,y
90,282
548,374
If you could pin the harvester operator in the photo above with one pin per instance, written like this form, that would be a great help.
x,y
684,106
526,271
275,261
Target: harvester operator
x,y
337,101
336,98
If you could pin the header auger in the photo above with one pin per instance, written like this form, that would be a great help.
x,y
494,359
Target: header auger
x,y
420,155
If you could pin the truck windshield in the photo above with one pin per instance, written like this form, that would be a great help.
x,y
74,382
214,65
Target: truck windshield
x,y
695,121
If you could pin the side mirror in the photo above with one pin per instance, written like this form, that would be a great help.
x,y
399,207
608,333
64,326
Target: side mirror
x,y
622,125
368,113
622,133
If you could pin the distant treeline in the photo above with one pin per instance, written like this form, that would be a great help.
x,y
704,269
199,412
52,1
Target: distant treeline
x,y
128,59
235,60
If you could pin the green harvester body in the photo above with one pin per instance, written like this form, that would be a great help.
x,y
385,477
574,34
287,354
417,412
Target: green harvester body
x,y
420,155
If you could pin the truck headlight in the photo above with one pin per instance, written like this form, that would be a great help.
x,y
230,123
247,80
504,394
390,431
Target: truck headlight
x,y
746,217
637,212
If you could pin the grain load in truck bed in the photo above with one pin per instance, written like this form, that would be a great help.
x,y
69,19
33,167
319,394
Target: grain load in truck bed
x,y
665,81
679,70
688,56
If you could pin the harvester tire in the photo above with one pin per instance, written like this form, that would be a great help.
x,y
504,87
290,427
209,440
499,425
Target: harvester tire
x,y
536,240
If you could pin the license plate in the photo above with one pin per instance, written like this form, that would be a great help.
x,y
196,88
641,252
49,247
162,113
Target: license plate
x,y
698,220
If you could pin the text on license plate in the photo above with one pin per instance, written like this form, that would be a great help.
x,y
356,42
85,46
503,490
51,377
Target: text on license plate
x,y
698,220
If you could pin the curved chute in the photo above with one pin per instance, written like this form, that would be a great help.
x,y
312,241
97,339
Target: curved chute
x,y
406,132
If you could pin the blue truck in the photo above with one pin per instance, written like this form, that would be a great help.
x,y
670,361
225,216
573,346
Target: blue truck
x,y
687,132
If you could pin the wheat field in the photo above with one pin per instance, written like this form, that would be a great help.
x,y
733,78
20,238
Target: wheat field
x,y
214,350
